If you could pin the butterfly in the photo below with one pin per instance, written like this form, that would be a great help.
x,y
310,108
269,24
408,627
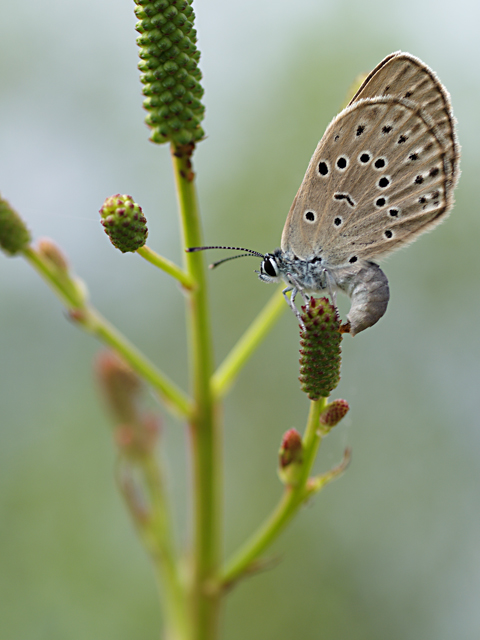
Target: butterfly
x,y
383,173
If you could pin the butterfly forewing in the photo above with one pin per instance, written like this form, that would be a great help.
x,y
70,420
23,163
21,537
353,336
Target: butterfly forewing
x,y
382,174
402,75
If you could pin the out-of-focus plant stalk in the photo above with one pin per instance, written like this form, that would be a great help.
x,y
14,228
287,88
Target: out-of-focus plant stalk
x,y
205,431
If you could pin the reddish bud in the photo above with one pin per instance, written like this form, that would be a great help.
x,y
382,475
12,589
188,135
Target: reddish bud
x,y
49,250
120,386
333,413
290,457
136,432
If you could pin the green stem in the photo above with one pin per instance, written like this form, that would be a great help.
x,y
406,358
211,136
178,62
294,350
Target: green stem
x,y
152,517
292,499
166,265
204,428
173,397
67,289
71,292
226,373
159,537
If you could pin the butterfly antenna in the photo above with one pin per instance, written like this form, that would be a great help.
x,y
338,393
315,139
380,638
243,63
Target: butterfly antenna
x,y
248,252
240,255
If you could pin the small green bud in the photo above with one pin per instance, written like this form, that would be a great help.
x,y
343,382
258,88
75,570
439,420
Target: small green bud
x,y
14,235
332,414
320,348
290,457
124,222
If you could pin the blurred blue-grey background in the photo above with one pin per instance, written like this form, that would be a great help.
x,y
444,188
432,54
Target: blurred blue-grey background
x,y
392,549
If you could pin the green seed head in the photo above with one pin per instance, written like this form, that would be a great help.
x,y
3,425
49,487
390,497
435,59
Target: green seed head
x,y
320,349
14,235
169,54
124,223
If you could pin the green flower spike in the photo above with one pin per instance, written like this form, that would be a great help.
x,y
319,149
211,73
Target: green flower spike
x,y
124,223
170,73
320,349
14,235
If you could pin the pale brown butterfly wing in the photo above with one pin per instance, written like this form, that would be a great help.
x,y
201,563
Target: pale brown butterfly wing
x,y
402,75
382,174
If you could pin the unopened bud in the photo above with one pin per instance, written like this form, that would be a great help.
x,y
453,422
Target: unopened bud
x,y
136,432
290,457
48,249
332,414
120,386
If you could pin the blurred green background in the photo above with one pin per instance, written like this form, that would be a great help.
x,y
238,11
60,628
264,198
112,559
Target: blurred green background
x,y
392,549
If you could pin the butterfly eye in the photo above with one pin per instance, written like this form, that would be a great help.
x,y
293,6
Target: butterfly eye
x,y
269,266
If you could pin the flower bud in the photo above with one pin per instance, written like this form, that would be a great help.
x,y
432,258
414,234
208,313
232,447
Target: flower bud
x,y
120,386
52,252
124,223
290,457
135,432
14,235
332,414
320,348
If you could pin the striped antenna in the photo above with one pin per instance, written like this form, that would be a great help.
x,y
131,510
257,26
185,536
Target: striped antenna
x,y
248,252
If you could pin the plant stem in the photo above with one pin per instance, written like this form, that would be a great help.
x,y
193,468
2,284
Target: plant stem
x,y
173,397
166,265
153,519
226,373
165,555
292,499
204,428
69,290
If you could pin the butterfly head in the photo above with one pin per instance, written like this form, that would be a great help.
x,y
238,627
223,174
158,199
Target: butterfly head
x,y
270,267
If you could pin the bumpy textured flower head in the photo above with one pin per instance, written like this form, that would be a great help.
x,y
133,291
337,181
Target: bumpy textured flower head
x,y
170,73
320,349
332,414
14,235
124,223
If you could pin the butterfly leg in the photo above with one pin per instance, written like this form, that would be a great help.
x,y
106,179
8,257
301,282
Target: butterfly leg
x,y
331,286
291,302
